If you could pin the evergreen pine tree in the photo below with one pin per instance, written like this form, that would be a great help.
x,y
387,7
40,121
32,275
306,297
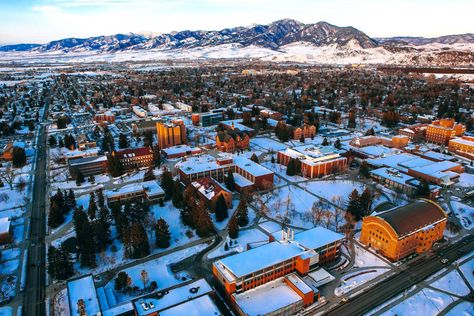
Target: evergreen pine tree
x,y
162,234
56,215
325,141
18,157
53,264
254,158
92,209
67,268
156,156
337,144
230,181
290,168
242,213
52,141
100,198
149,175
177,195
366,201
202,220
364,169
123,141
85,239
167,183
233,228
79,178
137,241
354,206
221,209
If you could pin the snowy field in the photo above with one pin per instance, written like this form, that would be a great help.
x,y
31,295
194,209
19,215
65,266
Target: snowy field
x,y
452,283
464,213
333,190
462,309
467,270
466,180
247,236
425,302
291,202
177,229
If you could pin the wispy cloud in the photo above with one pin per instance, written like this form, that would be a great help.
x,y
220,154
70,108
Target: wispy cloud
x,y
46,9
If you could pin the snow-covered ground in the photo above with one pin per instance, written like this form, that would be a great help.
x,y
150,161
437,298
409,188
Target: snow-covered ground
x,y
177,229
291,202
452,283
467,270
464,213
425,302
466,180
462,309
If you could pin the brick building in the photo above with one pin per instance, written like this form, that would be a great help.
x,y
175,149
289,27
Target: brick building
x,y
401,231
286,259
463,146
231,140
314,162
308,131
441,131
88,166
135,158
247,174
209,191
171,133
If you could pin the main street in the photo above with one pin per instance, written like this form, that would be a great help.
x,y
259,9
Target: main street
x,y
36,270
411,275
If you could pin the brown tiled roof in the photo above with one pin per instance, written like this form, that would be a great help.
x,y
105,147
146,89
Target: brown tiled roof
x,y
411,217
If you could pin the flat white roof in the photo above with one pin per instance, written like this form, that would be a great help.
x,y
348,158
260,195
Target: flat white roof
x,y
83,288
241,181
251,167
174,297
310,154
261,257
198,164
393,175
317,237
180,149
267,298
196,307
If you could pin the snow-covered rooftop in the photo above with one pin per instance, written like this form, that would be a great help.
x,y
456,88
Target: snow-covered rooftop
x,y
317,237
310,154
83,289
197,307
259,258
198,164
267,298
251,167
180,149
147,305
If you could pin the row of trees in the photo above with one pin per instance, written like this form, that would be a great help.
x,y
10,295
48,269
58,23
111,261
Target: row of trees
x,y
59,205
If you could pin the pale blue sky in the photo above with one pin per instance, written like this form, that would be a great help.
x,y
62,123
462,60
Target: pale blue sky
x,y
40,21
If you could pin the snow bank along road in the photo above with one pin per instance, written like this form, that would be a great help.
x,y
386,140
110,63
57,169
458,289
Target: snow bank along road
x,y
397,283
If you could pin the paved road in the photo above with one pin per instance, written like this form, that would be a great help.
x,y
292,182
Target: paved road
x,y
396,284
36,271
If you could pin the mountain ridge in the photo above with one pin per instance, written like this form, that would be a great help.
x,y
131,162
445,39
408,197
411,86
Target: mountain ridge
x,y
272,36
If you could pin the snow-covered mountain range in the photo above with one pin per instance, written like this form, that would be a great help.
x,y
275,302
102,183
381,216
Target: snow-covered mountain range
x,y
283,40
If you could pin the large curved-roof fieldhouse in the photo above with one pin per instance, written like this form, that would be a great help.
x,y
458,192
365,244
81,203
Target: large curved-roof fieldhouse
x,y
412,217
